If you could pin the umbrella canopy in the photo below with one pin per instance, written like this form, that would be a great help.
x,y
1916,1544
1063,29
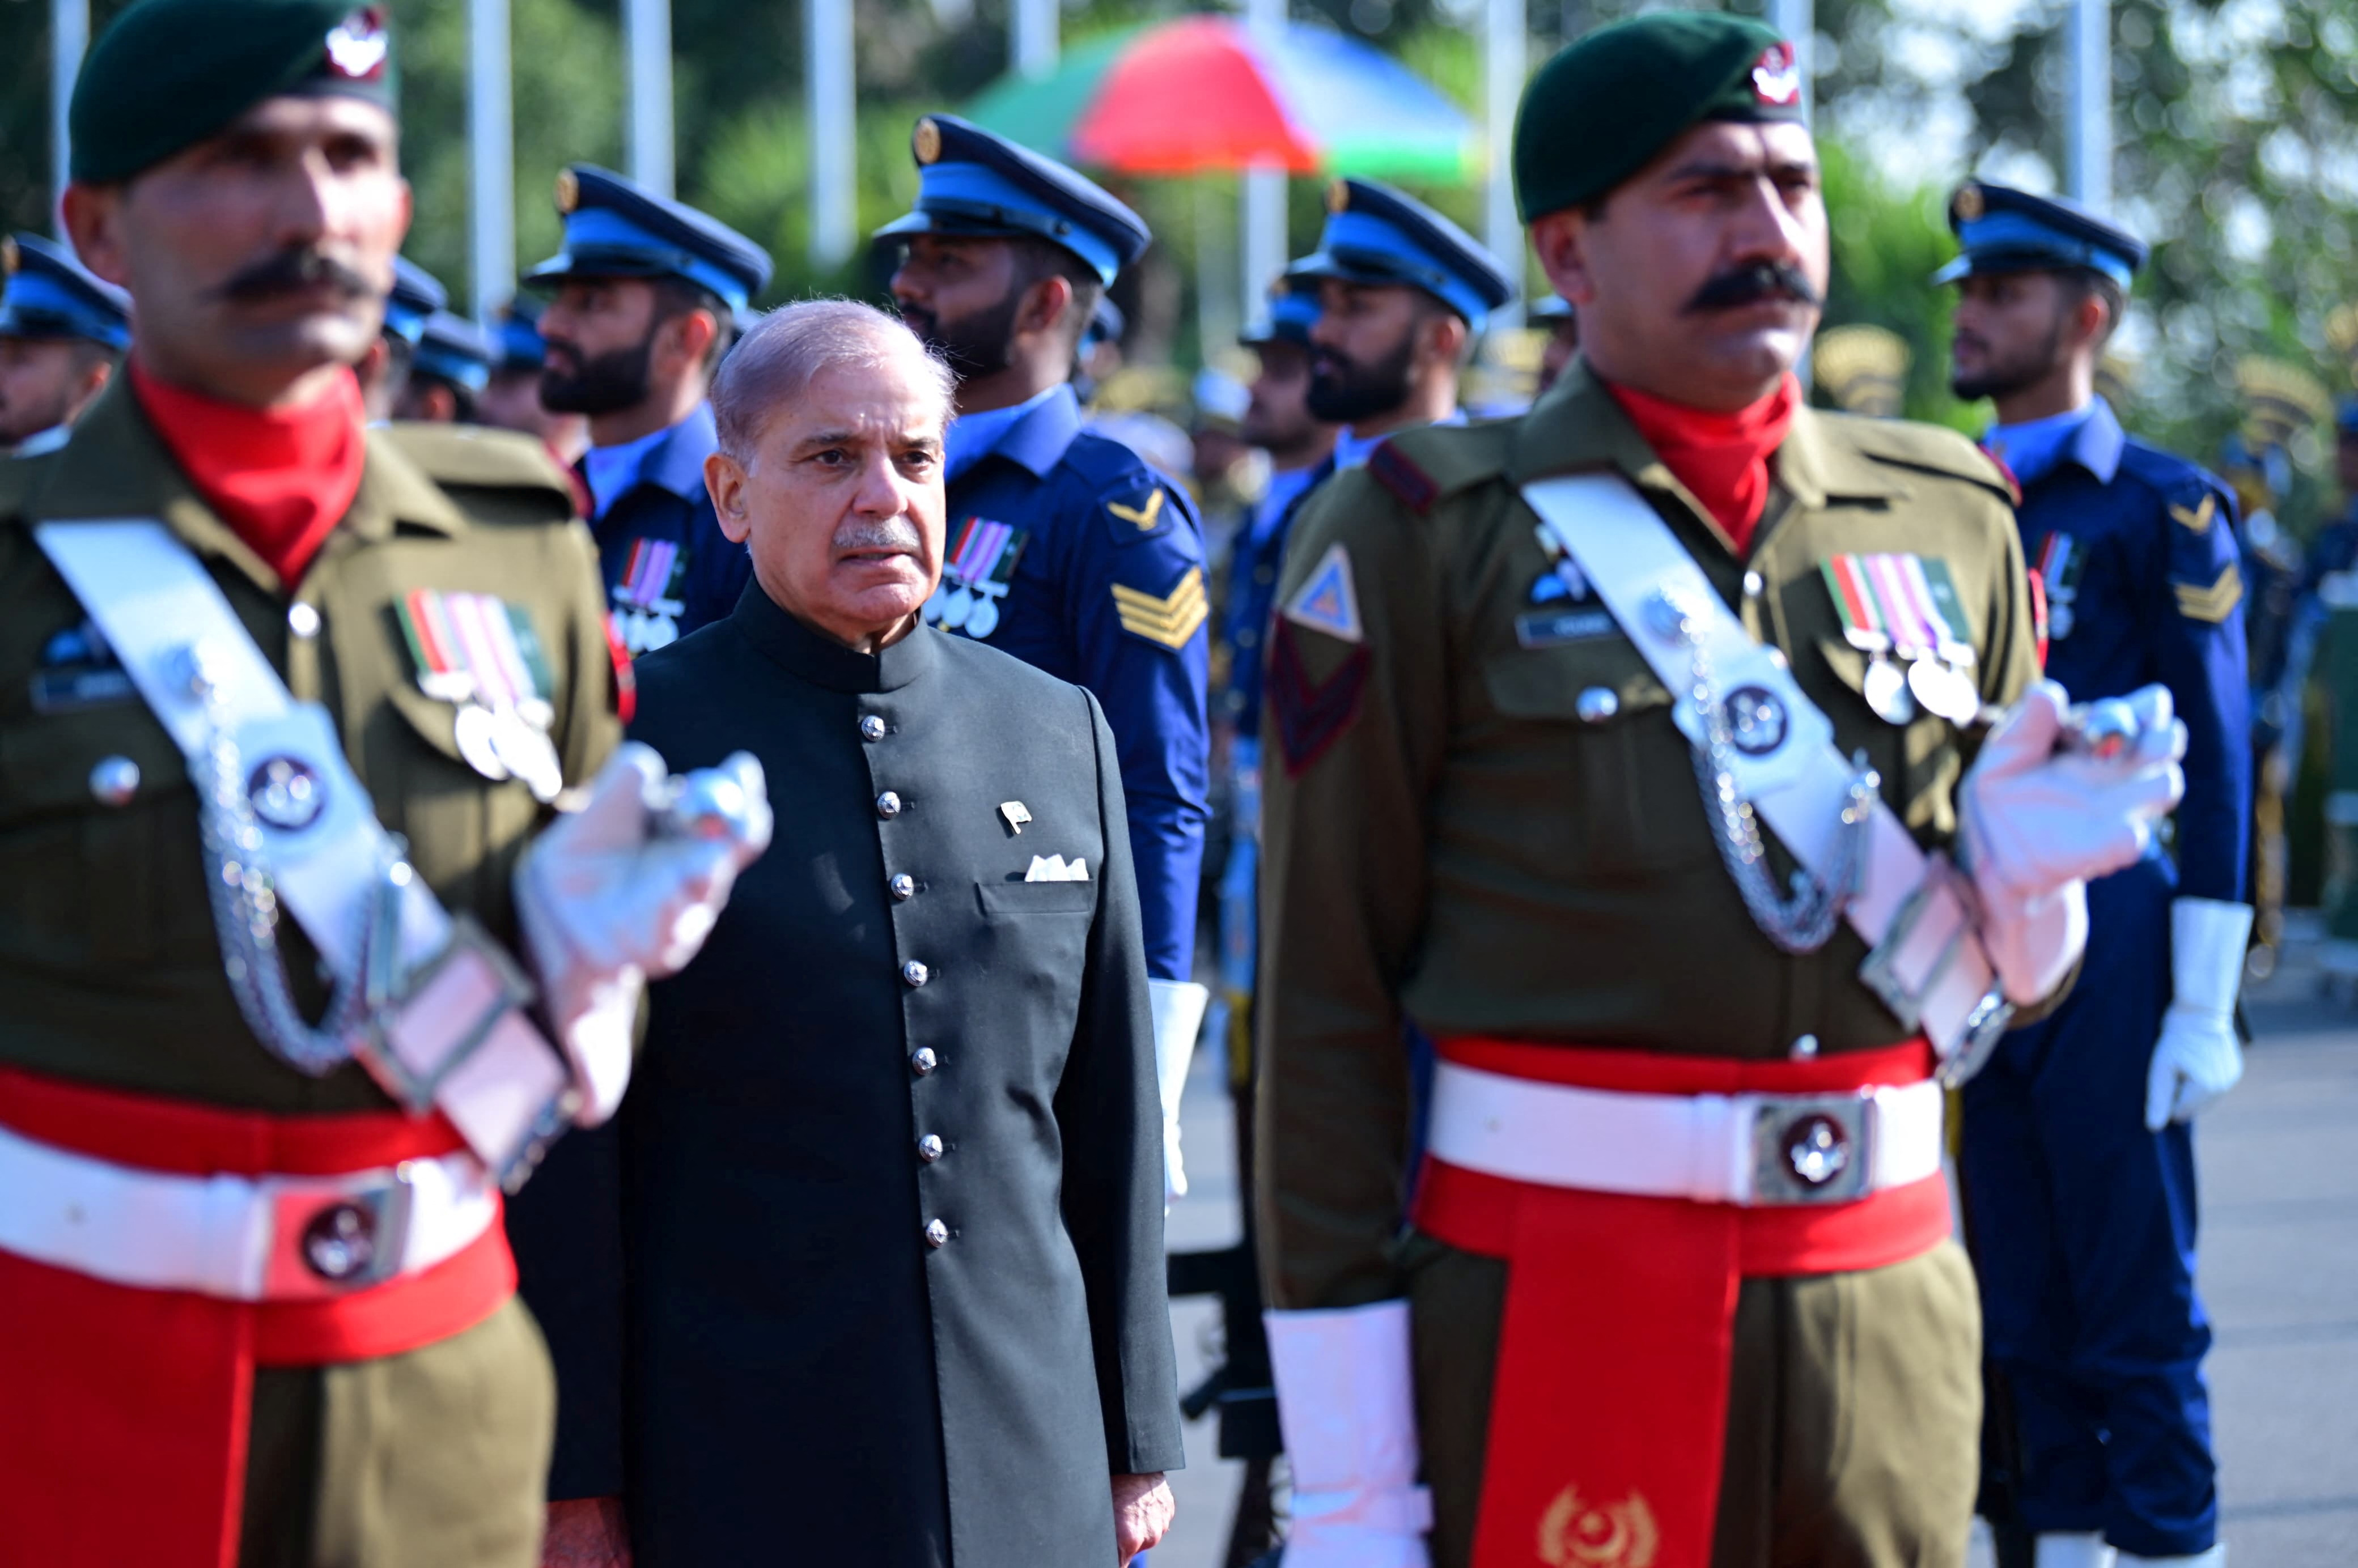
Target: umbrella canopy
x,y
1204,94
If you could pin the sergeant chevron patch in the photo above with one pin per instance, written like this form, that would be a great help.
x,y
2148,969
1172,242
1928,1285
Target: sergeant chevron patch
x,y
1170,619
1144,517
2198,518
2215,604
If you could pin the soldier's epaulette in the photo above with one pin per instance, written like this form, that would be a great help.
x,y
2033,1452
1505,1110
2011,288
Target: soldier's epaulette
x,y
478,457
1930,448
2188,490
1420,467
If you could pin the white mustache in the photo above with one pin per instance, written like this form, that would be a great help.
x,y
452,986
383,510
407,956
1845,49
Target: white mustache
x,y
894,534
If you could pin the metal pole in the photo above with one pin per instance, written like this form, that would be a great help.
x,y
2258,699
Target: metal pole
x,y
1506,45
1798,20
491,159
69,36
646,38
1263,216
1035,44
2088,158
830,63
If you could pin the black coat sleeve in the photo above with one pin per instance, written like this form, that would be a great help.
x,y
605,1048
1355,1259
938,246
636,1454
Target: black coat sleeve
x,y
1110,1119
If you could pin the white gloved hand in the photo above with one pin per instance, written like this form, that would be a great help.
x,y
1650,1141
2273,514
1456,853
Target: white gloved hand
x,y
625,890
1178,1007
2198,1057
2037,824
1348,1408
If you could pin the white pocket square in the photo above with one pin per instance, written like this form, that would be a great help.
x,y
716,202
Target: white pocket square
x,y
1056,869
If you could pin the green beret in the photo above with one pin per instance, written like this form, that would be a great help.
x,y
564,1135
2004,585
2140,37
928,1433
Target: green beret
x,y
1606,105
168,73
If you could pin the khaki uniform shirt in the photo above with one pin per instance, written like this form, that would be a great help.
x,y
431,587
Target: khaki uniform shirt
x,y
108,954
1462,849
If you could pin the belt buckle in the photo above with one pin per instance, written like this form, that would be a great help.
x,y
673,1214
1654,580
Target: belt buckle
x,y
330,1237
1811,1149
413,1073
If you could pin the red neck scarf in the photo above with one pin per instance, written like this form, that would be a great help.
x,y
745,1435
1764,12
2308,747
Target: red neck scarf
x,y
1723,459
281,478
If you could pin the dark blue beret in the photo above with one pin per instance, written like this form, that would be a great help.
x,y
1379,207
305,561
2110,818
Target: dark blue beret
x,y
2002,229
971,181
616,228
49,294
1377,234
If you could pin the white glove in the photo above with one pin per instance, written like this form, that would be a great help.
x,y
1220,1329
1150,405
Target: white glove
x,y
2198,1057
2038,824
1347,1404
626,890
1178,1018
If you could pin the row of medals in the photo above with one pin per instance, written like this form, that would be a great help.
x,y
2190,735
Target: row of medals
x,y
1937,682
955,607
503,741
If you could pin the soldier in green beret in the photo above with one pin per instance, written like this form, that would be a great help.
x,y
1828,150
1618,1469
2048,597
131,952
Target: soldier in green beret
x,y
1673,759
304,969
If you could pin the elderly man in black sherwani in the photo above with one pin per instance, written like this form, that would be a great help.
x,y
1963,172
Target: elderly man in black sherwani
x,y
891,1172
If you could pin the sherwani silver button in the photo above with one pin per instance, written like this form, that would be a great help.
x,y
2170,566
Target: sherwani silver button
x,y
923,1061
887,805
114,782
904,886
916,974
872,728
929,1147
936,1233
1596,705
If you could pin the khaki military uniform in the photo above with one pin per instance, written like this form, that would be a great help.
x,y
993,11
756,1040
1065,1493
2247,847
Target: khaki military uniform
x,y
109,960
1479,842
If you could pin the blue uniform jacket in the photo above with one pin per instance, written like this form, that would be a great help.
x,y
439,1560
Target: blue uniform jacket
x,y
1107,590
1254,562
2143,586
668,568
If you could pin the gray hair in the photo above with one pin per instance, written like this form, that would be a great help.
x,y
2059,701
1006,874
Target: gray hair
x,y
776,361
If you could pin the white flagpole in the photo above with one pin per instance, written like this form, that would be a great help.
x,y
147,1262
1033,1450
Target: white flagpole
x,y
491,154
68,37
2088,160
647,37
830,64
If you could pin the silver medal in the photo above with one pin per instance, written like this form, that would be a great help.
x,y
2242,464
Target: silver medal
x,y
983,619
475,729
957,607
1886,689
1944,691
528,754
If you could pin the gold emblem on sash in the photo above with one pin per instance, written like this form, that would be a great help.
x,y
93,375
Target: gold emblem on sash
x,y
1574,1534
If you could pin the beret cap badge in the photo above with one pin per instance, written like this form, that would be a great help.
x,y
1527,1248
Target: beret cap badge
x,y
926,143
1777,76
358,48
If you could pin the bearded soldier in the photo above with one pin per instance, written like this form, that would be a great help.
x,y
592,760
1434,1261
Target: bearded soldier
x,y
1674,757
284,704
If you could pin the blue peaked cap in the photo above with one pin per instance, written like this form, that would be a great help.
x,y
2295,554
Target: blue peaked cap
x,y
1375,234
456,349
2001,229
416,296
517,342
973,181
52,295
616,228
1293,311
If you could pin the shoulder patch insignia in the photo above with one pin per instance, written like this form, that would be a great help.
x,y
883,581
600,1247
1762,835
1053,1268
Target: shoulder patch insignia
x,y
1391,468
1326,600
1169,619
2198,518
2215,604
1144,517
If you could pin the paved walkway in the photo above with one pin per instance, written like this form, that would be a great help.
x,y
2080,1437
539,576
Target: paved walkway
x,y
2279,1162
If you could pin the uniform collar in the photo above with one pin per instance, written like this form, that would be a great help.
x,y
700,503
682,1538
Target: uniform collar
x,y
820,659
2090,436
1352,449
1578,426
1034,438
40,443
116,466
671,458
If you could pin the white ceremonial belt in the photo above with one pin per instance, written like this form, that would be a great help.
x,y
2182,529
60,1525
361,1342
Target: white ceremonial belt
x,y
448,1029
1753,1150
243,1238
1927,961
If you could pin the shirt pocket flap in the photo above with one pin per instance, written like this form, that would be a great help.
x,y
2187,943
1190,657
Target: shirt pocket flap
x,y
1559,683
1036,898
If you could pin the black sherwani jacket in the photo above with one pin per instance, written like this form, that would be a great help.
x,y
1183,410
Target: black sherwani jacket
x,y
810,1377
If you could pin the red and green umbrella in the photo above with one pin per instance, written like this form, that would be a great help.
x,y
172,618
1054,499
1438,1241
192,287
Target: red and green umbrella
x,y
1204,93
